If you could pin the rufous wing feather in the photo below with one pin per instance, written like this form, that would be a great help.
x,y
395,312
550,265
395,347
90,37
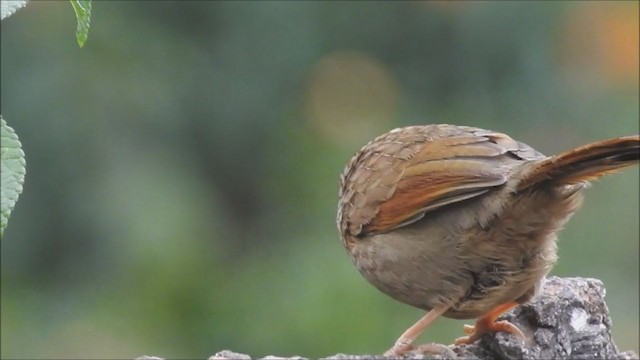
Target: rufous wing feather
x,y
443,172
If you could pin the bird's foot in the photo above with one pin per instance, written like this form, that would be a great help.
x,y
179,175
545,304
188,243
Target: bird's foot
x,y
399,350
483,327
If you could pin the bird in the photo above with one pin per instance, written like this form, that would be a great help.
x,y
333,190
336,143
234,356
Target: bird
x,y
462,222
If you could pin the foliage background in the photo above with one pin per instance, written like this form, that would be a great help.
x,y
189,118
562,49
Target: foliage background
x,y
183,165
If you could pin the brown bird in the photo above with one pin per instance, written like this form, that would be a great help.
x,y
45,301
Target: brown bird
x,y
462,222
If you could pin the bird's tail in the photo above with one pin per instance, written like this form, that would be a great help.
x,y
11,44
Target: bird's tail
x,y
585,163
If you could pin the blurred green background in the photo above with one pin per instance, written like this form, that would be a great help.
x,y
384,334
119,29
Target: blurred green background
x,y
182,168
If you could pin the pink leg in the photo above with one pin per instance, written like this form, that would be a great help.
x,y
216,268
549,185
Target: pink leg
x,y
405,341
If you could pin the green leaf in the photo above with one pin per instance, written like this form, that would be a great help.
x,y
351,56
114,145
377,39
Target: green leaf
x,y
13,167
83,14
8,7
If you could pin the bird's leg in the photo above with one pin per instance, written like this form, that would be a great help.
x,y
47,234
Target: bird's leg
x,y
404,343
488,324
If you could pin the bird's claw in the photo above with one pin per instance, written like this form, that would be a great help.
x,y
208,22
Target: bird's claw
x,y
475,332
399,350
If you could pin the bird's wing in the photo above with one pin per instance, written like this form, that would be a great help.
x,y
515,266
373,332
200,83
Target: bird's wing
x,y
393,187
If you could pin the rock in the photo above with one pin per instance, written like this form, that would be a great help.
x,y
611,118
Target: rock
x,y
569,320
227,354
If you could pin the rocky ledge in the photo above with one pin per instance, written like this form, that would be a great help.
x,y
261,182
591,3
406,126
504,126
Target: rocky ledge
x,y
569,320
